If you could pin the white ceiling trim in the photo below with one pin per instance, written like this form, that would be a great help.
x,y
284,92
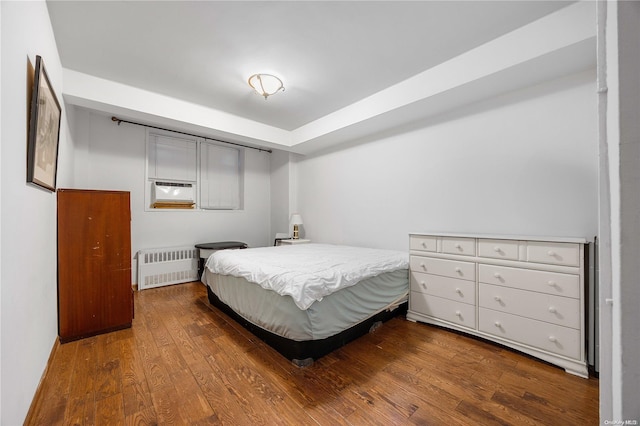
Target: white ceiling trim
x,y
116,98
564,31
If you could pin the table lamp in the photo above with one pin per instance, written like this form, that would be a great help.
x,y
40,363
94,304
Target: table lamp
x,y
295,220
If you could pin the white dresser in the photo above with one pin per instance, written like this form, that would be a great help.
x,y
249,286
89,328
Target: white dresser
x,y
526,293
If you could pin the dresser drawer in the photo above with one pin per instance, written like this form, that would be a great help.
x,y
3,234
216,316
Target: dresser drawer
x,y
464,246
423,242
498,249
553,253
446,268
552,338
449,288
555,283
563,311
444,309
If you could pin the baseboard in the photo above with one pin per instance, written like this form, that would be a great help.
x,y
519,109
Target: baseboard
x,y
31,414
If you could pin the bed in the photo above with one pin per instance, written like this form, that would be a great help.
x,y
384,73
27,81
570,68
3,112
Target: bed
x,y
306,300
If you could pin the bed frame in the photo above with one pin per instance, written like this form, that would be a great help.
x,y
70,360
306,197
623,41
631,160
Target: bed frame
x,y
303,353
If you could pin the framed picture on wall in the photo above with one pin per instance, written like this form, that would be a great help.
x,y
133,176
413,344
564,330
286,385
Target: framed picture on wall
x,y
44,131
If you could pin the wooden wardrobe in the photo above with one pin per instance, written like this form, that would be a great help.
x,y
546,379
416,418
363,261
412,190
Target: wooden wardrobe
x,y
94,263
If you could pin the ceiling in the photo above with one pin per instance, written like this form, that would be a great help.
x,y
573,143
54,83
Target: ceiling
x,y
329,54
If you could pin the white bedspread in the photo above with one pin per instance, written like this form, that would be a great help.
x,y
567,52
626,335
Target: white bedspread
x,y
306,272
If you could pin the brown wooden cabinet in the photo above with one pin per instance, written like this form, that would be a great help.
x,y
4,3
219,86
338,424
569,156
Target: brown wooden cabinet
x,y
94,263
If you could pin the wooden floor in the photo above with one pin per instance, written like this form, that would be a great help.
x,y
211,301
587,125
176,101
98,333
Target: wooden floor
x,y
183,362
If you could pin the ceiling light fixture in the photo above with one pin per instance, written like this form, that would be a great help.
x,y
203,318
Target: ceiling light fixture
x,y
265,84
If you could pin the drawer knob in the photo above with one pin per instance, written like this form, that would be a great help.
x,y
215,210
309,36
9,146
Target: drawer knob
x,y
497,324
424,244
497,275
459,314
497,298
553,339
458,246
552,309
552,253
497,249
423,284
458,270
551,283
459,291
422,265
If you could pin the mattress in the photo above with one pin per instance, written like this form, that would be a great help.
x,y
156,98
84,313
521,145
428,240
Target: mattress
x,y
308,300
307,272
331,315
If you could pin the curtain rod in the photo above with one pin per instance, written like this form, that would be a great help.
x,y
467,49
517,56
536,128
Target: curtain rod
x,y
119,120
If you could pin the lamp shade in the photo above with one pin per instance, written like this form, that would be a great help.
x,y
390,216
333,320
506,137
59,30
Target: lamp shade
x,y
296,219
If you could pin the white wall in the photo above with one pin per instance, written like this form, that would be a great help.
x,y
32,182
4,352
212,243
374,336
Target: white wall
x,y
280,202
111,156
28,216
620,386
522,163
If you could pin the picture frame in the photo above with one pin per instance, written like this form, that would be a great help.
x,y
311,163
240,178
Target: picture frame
x,y
44,131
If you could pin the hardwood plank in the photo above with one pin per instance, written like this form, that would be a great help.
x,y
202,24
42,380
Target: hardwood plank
x,y
144,343
534,408
434,416
81,406
196,407
131,362
53,395
153,320
577,400
58,387
226,407
110,410
142,418
137,399
185,362
157,374
229,367
183,341
166,408
109,379
307,388
170,356
480,414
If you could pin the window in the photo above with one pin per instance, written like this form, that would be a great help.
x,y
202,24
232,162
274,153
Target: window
x,y
172,158
219,177
192,173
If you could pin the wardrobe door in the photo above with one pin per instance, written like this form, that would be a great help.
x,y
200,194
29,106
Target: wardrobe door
x,y
94,262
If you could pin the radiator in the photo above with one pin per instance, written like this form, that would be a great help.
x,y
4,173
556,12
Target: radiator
x,y
165,266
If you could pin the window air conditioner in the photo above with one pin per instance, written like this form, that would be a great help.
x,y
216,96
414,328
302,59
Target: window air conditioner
x,y
173,195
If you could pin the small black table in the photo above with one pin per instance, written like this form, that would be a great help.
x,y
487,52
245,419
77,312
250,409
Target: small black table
x,y
207,249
